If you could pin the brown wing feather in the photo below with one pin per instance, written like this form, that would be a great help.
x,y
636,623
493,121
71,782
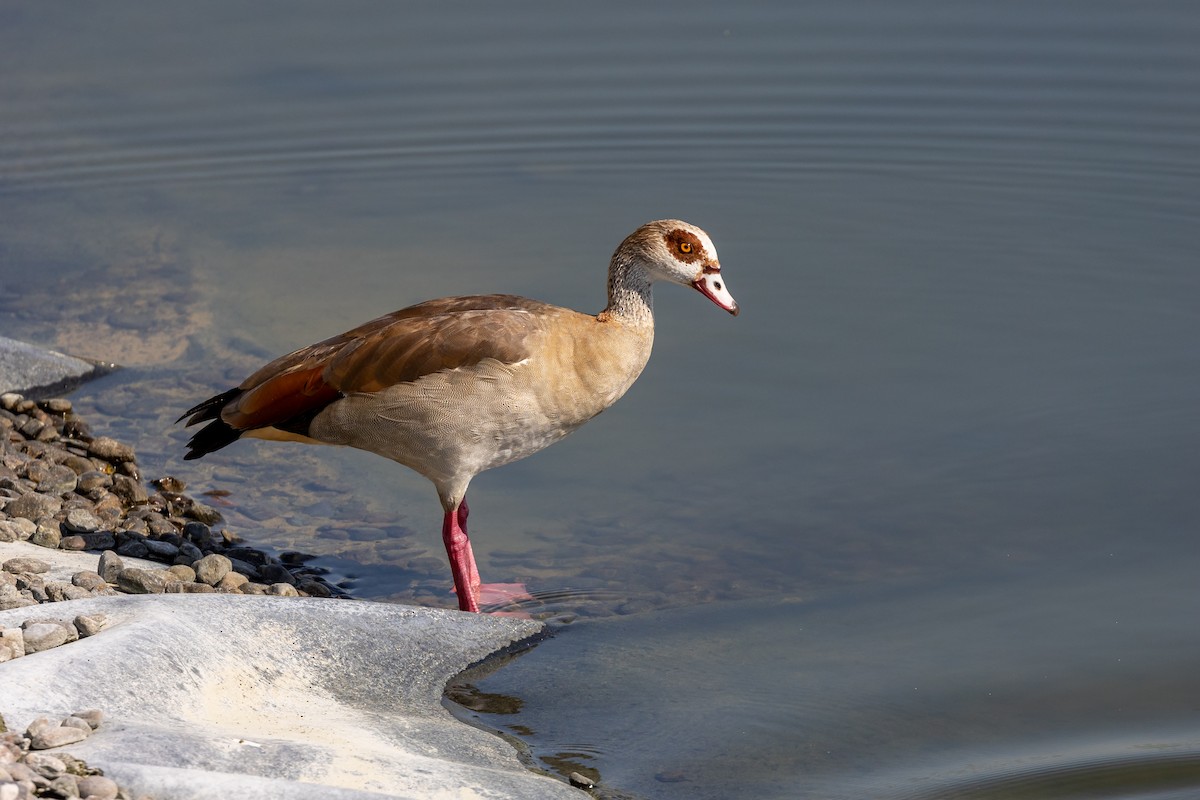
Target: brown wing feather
x,y
397,348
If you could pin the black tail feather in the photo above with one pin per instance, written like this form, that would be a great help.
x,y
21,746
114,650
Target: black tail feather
x,y
216,434
209,409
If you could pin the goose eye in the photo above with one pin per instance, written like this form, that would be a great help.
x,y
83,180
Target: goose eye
x,y
685,247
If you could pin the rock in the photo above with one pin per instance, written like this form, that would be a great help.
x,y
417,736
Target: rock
x,y
212,568
64,786
581,781
129,490
86,579
160,550
13,530
93,480
75,722
58,591
206,514
80,520
100,540
58,480
186,587
14,640
182,572
48,738
33,506
198,533
26,564
232,582
141,581
46,536
41,636
282,590
97,787
74,542
92,716
90,625
110,450
315,589
276,573
110,566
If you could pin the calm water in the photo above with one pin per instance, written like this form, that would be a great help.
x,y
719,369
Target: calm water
x,y
921,522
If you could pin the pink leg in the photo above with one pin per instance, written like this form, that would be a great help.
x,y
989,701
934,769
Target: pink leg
x,y
462,560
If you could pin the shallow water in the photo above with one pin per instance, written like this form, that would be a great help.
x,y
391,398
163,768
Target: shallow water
x,y
951,436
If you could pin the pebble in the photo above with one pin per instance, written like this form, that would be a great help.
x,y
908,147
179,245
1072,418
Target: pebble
x,y
110,449
212,568
41,636
98,787
26,564
80,520
141,581
581,781
90,625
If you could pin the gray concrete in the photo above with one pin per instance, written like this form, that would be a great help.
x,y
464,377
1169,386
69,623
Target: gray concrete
x,y
36,372
216,696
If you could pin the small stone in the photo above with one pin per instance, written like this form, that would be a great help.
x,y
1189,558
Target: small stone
x,y
86,579
26,564
48,738
129,490
41,636
73,543
11,532
189,553
14,640
206,514
110,566
250,587
10,791
581,781
186,587
93,480
315,589
75,722
92,716
64,786
80,520
232,582
90,624
100,540
33,506
198,533
212,568
276,573
58,591
97,787
282,590
58,480
46,536
182,572
110,449
161,550
169,484
141,581
133,547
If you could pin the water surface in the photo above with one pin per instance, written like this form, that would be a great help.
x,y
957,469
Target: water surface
x,y
948,448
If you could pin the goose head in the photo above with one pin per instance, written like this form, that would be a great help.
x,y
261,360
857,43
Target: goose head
x,y
676,251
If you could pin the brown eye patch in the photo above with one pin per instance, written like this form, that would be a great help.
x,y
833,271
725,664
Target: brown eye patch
x,y
685,245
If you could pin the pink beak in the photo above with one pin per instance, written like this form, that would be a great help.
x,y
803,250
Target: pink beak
x,y
712,286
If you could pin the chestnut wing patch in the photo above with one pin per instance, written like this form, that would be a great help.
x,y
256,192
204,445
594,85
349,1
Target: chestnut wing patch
x,y
397,348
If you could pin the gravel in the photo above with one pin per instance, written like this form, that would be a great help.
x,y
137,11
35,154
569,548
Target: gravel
x,y
62,489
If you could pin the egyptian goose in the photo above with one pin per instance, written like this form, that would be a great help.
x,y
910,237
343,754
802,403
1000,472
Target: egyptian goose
x,y
455,386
